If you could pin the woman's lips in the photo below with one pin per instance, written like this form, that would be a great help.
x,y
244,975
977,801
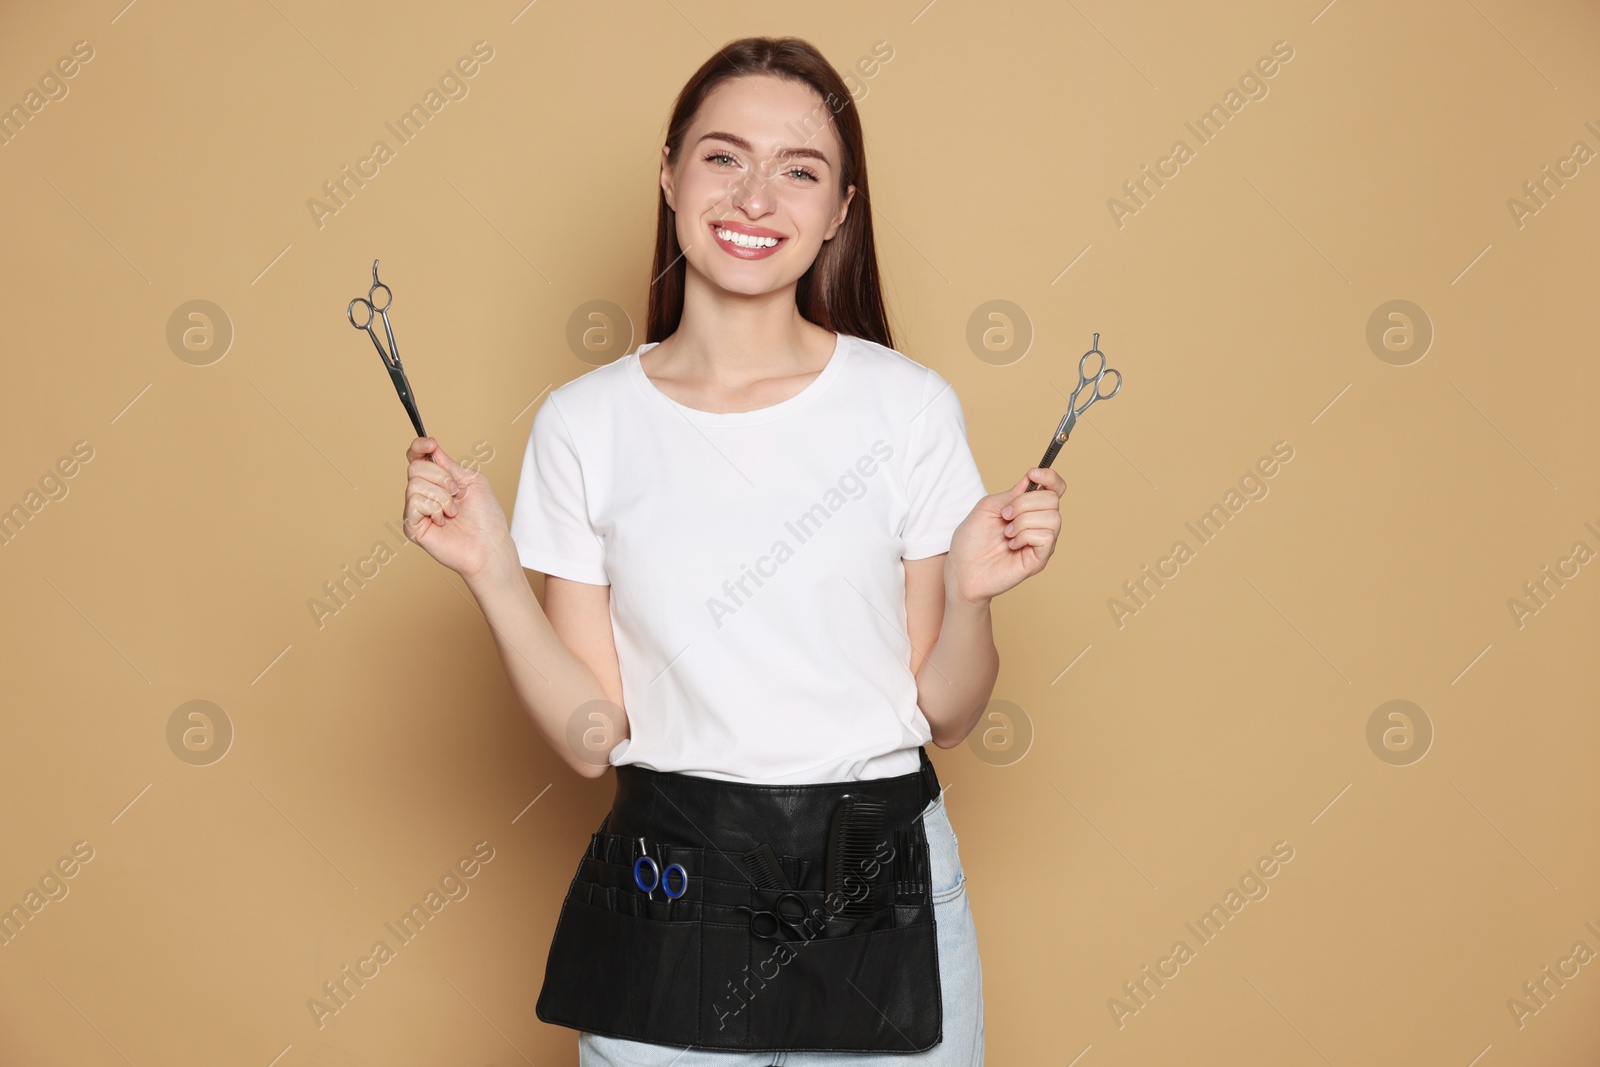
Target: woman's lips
x,y
743,253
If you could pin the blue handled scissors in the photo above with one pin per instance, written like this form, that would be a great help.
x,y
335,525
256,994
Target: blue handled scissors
x,y
391,358
788,912
658,877
1070,419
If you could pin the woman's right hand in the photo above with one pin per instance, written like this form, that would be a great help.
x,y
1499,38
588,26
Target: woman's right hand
x,y
450,510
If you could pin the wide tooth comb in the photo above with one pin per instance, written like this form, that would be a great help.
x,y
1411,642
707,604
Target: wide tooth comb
x,y
854,835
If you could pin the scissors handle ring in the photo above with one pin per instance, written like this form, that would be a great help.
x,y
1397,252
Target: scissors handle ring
x,y
762,917
351,312
790,920
1084,375
655,871
1098,395
769,924
666,882
388,297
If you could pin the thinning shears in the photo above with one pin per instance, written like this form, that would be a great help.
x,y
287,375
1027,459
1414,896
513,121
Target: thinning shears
x,y
1074,409
391,358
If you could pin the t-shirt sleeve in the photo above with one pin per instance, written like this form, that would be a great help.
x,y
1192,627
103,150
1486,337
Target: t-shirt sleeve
x,y
550,519
942,479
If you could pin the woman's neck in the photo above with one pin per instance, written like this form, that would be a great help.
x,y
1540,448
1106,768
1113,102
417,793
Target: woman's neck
x,y
727,343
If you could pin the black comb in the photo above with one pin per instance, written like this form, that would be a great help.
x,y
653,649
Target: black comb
x,y
855,833
765,867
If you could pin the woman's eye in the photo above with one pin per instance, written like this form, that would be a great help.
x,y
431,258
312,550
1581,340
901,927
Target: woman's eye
x,y
802,172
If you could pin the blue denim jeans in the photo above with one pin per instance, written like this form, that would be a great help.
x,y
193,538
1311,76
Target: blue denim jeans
x,y
960,980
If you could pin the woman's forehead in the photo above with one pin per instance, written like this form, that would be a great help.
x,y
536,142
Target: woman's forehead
x,y
768,113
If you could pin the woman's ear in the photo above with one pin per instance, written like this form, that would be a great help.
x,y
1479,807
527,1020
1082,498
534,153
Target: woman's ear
x,y
844,209
666,178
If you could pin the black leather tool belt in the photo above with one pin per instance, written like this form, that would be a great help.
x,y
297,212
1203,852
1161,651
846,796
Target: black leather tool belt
x,y
801,918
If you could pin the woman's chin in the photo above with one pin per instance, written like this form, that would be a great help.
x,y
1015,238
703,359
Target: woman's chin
x,y
739,282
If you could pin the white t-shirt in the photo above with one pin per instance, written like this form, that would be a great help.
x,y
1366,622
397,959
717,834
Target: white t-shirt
x,y
757,591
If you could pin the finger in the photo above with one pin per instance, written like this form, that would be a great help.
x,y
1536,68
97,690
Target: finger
x,y
456,470
1039,500
1006,498
419,513
1048,495
437,494
1048,479
1034,520
415,522
435,474
1041,540
420,510
431,447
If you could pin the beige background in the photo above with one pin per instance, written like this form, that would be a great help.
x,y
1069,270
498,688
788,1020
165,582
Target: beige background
x,y
1230,713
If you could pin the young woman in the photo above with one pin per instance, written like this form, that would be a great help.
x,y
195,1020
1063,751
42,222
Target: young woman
x,y
769,561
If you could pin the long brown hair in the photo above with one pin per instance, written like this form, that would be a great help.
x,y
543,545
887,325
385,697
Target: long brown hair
x,y
840,291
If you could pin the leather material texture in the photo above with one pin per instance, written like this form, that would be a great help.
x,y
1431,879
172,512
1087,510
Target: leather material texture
x,y
697,970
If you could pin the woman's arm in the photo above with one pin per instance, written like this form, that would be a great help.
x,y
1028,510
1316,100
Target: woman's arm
x,y
561,658
562,666
1007,537
953,654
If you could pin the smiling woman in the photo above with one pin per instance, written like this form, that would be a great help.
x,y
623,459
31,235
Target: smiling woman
x,y
793,185
765,759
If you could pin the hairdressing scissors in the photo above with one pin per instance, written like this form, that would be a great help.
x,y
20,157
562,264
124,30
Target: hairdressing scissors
x,y
788,911
1070,419
658,876
391,358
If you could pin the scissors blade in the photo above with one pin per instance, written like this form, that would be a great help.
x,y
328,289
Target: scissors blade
x,y
379,346
403,387
394,358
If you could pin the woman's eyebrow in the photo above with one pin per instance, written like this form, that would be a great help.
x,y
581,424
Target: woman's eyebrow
x,y
735,139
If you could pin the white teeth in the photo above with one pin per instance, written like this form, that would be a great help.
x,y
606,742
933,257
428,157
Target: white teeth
x,y
745,240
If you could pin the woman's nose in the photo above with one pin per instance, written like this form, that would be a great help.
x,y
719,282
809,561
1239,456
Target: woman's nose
x,y
750,193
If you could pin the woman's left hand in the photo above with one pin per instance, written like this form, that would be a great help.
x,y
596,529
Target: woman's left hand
x,y
1008,536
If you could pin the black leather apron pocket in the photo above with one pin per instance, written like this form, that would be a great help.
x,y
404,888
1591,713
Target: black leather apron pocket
x,y
621,974
727,983
828,993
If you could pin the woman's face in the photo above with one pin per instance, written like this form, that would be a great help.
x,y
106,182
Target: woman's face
x,y
759,163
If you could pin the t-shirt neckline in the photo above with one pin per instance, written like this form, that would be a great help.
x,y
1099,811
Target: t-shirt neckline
x,y
817,386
